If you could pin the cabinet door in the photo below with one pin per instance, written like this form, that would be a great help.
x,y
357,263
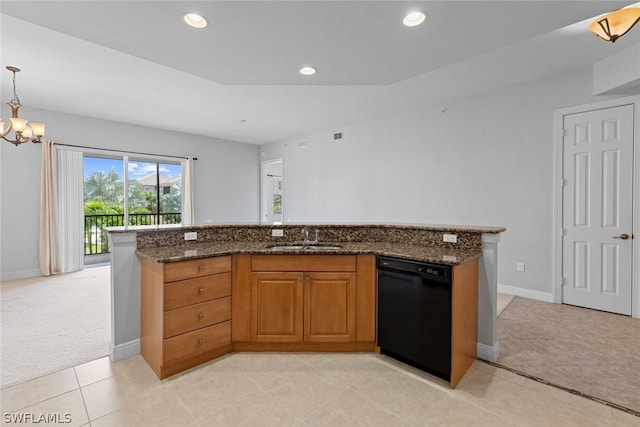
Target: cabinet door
x,y
330,307
276,307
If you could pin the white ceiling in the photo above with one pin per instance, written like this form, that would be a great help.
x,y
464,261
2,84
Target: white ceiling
x,y
238,79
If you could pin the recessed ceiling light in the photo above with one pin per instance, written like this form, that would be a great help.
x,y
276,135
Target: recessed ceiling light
x,y
307,71
195,20
414,18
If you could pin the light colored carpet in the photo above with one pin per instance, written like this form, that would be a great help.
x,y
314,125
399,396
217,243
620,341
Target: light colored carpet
x,y
51,323
591,352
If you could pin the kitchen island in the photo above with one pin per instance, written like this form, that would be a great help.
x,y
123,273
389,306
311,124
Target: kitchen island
x,y
166,245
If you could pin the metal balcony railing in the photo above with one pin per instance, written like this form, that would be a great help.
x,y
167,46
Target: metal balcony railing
x,y
95,237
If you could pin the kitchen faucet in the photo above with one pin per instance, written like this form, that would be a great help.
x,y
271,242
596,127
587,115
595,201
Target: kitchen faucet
x,y
305,235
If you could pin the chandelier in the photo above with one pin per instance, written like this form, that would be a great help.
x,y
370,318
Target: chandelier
x,y
23,130
614,25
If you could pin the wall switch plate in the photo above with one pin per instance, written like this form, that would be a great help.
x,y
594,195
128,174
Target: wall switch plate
x,y
520,267
191,236
451,238
277,232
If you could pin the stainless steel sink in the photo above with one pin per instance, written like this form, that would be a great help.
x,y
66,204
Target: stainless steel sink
x,y
322,248
287,248
304,248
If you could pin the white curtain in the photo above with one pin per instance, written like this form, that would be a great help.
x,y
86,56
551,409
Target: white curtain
x,y
188,216
49,249
71,210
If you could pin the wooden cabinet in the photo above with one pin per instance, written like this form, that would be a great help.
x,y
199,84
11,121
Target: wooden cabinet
x,y
276,307
279,303
185,316
310,298
330,307
273,310
297,306
464,318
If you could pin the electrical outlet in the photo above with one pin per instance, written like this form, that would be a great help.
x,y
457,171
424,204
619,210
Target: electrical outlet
x,y
520,267
451,238
191,236
277,232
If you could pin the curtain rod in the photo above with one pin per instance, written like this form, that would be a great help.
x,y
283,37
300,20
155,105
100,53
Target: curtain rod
x,y
122,151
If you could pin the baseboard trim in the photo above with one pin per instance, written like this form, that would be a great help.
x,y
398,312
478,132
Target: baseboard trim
x,y
488,352
125,350
525,293
22,274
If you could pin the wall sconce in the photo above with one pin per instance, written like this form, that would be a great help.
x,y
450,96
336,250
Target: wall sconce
x,y
613,25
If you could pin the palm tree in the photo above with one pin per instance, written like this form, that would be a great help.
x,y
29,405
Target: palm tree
x,y
105,187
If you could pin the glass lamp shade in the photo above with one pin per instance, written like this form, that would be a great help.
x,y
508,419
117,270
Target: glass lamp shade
x,y
27,132
18,124
1,126
614,25
38,129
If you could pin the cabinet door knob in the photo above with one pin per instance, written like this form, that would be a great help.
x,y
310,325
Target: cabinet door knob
x,y
624,236
200,342
200,316
201,268
201,291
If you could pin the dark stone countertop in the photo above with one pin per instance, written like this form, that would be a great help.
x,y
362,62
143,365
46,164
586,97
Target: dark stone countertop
x,y
434,254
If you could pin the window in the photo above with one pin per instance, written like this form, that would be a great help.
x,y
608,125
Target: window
x,y
154,196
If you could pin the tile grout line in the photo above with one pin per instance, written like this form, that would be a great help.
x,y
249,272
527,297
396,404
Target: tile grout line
x,y
50,397
84,403
175,395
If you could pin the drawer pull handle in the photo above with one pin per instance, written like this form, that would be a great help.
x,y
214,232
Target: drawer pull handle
x,y
201,267
200,342
201,291
200,316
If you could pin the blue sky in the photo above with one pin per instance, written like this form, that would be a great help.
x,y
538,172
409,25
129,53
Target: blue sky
x,y
137,169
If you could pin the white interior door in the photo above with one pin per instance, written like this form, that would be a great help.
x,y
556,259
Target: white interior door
x,y
598,209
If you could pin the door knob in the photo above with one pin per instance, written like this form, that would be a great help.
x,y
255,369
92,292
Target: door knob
x,y
624,236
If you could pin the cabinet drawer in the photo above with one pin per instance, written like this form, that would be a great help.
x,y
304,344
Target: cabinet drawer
x,y
187,292
174,271
303,263
196,316
197,342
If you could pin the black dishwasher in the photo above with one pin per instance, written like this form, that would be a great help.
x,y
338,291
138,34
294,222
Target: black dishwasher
x,y
414,314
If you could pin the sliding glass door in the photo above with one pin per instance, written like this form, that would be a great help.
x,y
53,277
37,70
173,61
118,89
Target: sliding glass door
x,y
155,192
153,196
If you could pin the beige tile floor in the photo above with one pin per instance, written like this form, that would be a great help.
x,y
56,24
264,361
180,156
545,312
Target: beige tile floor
x,y
298,389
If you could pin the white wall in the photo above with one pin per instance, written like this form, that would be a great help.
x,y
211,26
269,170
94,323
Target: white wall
x,y
486,160
226,178
618,73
